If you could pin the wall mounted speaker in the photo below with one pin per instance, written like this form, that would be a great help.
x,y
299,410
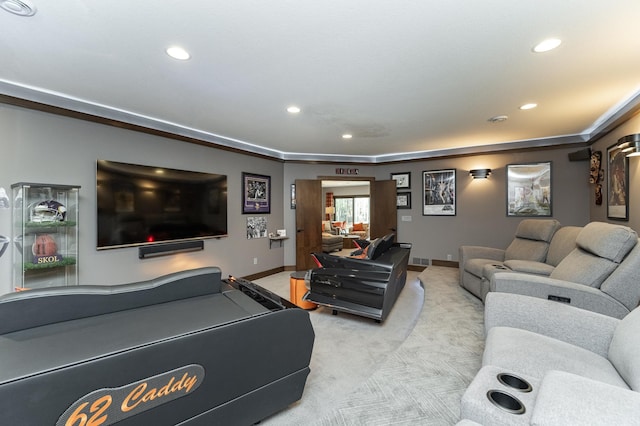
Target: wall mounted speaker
x,y
156,250
582,155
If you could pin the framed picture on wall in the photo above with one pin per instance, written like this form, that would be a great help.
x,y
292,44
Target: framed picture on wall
x,y
256,193
439,196
617,184
293,195
529,189
403,200
403,180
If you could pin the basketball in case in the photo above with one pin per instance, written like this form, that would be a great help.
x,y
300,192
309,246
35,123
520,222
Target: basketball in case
x,y
44,245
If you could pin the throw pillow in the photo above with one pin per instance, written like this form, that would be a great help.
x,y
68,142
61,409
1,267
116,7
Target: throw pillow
x,y
358,227
362,255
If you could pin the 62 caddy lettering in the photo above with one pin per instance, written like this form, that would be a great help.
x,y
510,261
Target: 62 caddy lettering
x,y
107,406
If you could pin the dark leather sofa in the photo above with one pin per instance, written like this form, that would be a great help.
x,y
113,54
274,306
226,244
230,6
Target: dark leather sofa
x,y
186,348
367,286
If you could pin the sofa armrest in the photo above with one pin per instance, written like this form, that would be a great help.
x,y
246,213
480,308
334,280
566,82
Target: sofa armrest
x,y
479,252
574,294
566,398
579,327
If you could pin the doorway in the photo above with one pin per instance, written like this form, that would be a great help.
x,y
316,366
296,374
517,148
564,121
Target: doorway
x,y
348,203
310,206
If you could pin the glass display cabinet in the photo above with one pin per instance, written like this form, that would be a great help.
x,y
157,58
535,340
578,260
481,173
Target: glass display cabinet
x,y
45,235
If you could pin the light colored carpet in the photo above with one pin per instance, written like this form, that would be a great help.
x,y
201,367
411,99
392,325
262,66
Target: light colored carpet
x,y
410,370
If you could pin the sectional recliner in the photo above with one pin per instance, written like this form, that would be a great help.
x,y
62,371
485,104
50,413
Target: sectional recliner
x,y
595,267
532,250
553,364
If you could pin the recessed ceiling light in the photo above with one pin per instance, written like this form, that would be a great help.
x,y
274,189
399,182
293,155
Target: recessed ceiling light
x,y
19,7
178,53
528,106
498,119
547,45
347,136
293,109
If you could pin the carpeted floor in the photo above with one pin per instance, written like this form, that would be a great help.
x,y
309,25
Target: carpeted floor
x,y
410,370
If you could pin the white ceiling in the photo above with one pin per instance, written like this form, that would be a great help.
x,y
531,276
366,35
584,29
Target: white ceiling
x,y
408,78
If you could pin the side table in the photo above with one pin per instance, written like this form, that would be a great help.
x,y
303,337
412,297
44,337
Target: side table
x,y
297,290
348,241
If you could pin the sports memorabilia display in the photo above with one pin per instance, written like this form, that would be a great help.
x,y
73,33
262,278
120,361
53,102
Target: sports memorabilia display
x,y
45,229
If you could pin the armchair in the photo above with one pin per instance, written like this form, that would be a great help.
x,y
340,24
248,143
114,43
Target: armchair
x,y
602,274
531,244
360,229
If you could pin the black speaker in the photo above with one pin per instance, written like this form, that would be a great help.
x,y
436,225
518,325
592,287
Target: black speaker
x,y
582,155
169,248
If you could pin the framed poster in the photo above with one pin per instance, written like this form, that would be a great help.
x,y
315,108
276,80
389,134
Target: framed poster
x,y
403,180
403,200
617,184
293,195
256,227
256,193
439,197
529,189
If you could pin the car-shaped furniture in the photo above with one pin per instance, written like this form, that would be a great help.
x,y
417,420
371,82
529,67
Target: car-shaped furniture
x,y
368,286
186,348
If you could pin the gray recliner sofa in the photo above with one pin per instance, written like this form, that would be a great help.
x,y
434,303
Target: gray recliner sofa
x,y
601,274
535,249
553,364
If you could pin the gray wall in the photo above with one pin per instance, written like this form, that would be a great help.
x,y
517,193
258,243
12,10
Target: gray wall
x,y
600,212
45,148
40,147
481,204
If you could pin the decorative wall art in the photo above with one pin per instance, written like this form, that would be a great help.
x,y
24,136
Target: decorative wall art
x,y
403,200
596,175
256,227
617,184
256,193
293,195
403,180
439,198
529,189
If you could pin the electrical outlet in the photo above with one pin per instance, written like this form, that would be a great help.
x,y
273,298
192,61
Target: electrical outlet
x,y
255,260
449,257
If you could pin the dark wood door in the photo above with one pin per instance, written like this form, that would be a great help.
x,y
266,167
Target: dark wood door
x,y
308,222
384,213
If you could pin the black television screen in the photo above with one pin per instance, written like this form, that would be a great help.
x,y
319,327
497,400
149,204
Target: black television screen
x,y
144,205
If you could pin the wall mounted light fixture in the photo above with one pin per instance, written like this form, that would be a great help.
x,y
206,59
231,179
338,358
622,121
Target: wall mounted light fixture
x,y
480,173
630,145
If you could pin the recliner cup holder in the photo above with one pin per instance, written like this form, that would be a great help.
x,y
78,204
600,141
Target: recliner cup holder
x,y
505,401
514,382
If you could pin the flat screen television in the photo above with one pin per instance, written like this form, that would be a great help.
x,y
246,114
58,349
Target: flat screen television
x,y
139,205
